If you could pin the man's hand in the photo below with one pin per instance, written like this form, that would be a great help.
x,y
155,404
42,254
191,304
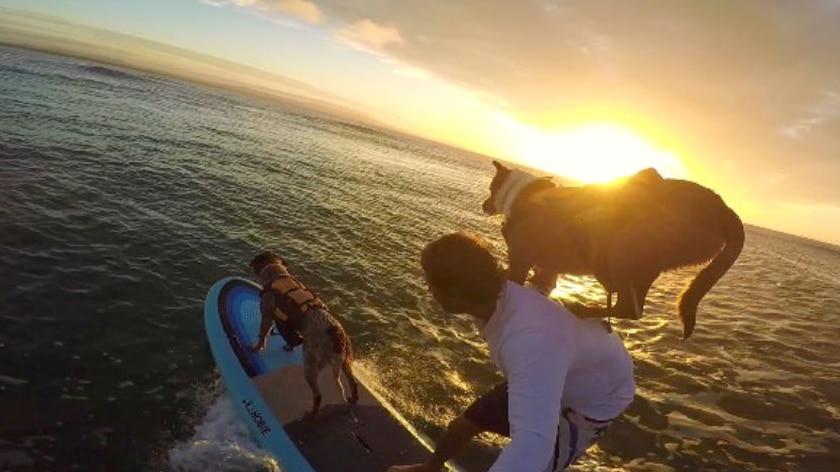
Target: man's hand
x,y
412,468
584,311
575,307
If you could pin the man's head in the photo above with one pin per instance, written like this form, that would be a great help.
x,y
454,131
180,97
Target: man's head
x,y
261,260
462,273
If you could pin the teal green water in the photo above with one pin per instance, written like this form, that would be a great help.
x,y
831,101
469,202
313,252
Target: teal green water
x,y
125,196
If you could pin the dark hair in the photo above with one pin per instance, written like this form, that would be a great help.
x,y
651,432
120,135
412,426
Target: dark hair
x,y
464,262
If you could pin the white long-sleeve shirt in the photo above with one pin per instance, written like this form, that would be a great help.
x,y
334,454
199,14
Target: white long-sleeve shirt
x,y
552,360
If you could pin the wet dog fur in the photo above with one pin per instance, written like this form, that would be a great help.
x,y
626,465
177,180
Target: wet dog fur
x,y
624,234
325,343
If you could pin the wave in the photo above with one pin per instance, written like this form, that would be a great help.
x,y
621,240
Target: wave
x,y
111,72
221,442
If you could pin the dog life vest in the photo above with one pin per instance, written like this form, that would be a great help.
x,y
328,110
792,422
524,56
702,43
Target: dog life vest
x,y
292,299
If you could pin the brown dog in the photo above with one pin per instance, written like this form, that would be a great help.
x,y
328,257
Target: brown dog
x,y
624,233
301,317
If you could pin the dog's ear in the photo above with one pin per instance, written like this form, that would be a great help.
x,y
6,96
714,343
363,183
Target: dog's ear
x,y
498,166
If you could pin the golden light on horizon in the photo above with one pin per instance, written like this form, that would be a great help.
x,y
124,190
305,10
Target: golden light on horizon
x,y
595,152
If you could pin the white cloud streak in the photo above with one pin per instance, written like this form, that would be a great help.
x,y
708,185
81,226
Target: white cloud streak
x,y
811,208
369,36
300,9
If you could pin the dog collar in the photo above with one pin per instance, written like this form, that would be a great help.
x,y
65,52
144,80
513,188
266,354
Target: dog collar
x,y
514,183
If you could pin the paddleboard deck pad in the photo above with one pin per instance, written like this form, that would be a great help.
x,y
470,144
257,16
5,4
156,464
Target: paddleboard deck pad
x,y
271,396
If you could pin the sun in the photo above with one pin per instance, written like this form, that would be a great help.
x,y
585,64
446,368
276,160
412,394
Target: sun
x,y
596,152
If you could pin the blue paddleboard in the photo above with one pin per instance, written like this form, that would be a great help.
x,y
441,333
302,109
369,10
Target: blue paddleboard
x,y
272,397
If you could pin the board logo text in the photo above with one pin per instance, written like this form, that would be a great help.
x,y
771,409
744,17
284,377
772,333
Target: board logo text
x,y
256,417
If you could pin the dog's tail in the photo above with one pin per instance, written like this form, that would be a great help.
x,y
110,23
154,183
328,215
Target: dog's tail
x,y
690,298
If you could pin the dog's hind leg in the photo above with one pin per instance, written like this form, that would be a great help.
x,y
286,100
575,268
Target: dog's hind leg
x,y
347,369
631,297
336,370
310,373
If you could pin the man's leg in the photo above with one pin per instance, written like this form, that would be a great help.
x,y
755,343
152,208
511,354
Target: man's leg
x,y
488,413
576,434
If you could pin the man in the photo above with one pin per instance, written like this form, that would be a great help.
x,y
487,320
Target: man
x,y
566,378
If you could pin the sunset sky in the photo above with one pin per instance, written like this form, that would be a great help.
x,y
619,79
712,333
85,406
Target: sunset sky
x,y
740,95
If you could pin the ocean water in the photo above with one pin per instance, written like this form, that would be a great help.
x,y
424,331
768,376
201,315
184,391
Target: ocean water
x,y
124,196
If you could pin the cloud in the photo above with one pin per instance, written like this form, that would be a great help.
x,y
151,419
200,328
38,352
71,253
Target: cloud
x,y
824,112
239,3
367,35
408,71
775,178
715,75
810,208
675,63
301,9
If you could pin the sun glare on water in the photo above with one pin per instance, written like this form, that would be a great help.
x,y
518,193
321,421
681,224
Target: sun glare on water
x,y
595,153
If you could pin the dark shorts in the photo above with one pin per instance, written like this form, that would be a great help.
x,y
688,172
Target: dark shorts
x,y
490,411
575,432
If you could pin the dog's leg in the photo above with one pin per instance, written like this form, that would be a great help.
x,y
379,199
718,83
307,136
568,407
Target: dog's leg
x,y
347,368
518,265
631,298
544,281
310,373
336,370
630,305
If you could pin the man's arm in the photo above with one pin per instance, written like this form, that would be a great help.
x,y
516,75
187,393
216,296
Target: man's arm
x,y
537,365
458,435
